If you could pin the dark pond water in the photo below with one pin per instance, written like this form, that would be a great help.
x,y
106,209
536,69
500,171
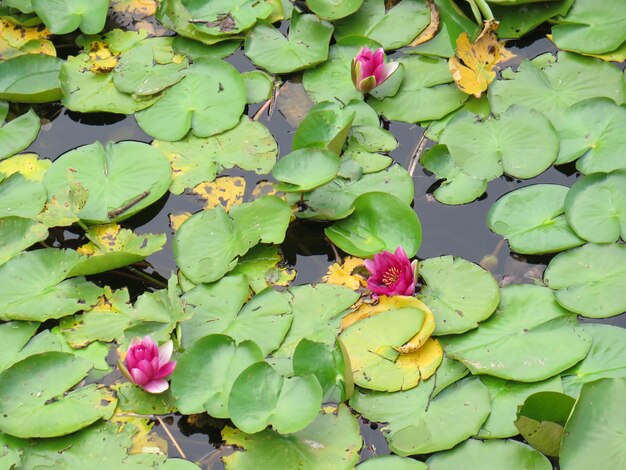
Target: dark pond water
x,y
447,230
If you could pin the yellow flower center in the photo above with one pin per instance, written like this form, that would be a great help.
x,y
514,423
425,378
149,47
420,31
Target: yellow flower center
x,y
391,276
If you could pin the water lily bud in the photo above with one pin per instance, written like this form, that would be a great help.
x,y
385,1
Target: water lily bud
x,y
148,365
369,69
392,274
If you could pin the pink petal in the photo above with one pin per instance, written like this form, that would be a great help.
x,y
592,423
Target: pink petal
x,y
378,57
370,265
156,386
165,370
388,70
378,73
139,377
146,368
165,352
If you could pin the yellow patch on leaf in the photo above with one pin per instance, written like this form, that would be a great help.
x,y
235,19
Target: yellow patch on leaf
x,y
432,28
426,359
16,40
101,59
385,304
346,274
473,67
28,164
226,191
176,220
105,238
143,440
139,8
263,188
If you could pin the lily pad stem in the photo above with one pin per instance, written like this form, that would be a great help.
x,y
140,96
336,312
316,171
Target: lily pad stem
x,y
481,10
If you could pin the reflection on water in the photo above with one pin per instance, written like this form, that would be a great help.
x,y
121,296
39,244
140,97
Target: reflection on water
x,y
447,230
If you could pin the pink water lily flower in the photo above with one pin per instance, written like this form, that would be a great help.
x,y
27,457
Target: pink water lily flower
x,y
392,273
369,69
148,365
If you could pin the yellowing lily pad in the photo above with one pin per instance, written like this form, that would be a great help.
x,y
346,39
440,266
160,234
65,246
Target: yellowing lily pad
x,y
225,191
348,273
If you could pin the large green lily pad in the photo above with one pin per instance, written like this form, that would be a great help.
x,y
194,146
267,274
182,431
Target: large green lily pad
x,y
532,219
595,207
205,373
305,169
335,200
393,28
21,197
427,92
589,280
18,134
33,400
380,221
17,234
208,244
487,149
334,9
121,179
30,78
331,441
459,293
551,87
307,44
65,16
489,455
518,20
391,462
227,16
260,397
594,433
590,27
209,100
591,131
606,358
529,338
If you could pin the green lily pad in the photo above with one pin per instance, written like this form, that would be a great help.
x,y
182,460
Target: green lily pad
x,y
227,16
594,433
21,197
391,462
15,336
305,169
265,319
606,358
205,373
25,6
208,244
261,397
426,94
307,44
541,419
590,27
149,68
492,147
329,364
458,186
326,129
32,286
489,455
63,207
595,207
334,9
335,200
506,397
209,100
33,400
393,28
121,178
197,50
589,280
363,144
590,131
459,293
263,267
380,221
317,312
133,399
518,20
338,66
111,247
259,86
249,146
30,78
551,87
420,423
65,16
371,345
331,441
529,338
17,234
532,219
18,134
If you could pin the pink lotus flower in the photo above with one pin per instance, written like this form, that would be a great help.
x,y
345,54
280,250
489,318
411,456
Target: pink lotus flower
x,y
369,69
392,273
147,365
